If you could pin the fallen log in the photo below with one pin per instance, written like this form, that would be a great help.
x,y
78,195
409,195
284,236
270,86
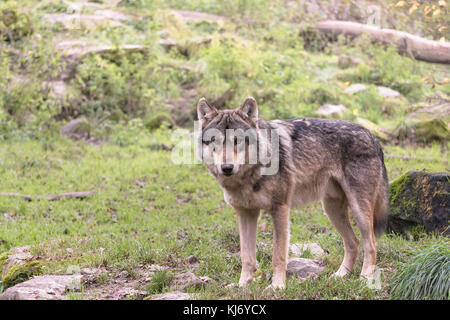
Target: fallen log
x,y
419,48
76,195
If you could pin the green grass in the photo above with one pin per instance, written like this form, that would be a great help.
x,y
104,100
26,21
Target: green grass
x,y
150,211
426,276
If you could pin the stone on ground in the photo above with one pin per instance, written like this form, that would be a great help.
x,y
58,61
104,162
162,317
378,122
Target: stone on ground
x,y
298,249
304,268
332,111
387,92
77,129
186,280
47,287
174,295
354,88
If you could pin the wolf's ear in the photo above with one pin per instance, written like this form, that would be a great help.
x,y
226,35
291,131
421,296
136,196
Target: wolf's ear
x,y
250,109
205,110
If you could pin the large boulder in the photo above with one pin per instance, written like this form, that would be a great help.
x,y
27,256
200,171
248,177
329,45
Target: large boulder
x,y
420,199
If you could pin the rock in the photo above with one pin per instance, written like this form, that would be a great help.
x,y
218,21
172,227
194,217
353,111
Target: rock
x,y
304,268
174,295
77,129
387,92
14,25
428,123
195,16
17,265
332,111
298,249
346,61
47,287
185,280
419,198
354,88
373,128
81,21
192,260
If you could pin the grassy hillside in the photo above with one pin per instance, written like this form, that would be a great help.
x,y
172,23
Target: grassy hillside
x,y
124,66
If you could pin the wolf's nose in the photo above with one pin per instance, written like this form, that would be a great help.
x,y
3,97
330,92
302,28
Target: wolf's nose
x,y
227,169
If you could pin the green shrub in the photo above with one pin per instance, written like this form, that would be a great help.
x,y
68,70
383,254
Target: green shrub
x,y
426,276
159,281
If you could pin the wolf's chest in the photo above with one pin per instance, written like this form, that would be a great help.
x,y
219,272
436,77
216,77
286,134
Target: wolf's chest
x,y
246,197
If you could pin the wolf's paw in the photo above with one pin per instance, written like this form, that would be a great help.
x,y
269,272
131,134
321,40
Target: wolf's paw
x,y
274,287
245,280
342,273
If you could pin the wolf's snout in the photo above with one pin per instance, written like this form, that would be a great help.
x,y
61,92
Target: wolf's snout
x,y
227,169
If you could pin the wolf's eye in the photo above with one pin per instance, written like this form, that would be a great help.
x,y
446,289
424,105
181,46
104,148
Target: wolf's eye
x,y
211,140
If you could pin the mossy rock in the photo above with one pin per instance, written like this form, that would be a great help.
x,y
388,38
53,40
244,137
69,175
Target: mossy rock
x,y
155,121
420,199
16,265
14,25
425,127
21,273
429,129
77,129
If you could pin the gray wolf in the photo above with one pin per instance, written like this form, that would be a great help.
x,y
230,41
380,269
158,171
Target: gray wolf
x,y
336,162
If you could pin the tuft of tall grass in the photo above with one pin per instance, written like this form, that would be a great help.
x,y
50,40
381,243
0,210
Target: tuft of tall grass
x,y
426,276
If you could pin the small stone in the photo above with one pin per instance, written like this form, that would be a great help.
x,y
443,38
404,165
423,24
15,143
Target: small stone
x,y
174,295
387,92
304,268
47,287
354,88
192,260
298,249
185,280
76,129
332,111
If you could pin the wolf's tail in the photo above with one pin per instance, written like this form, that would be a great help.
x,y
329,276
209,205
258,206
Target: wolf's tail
x,y
380,214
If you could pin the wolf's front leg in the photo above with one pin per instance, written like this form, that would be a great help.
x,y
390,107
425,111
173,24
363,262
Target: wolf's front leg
x,y
280,218
247,222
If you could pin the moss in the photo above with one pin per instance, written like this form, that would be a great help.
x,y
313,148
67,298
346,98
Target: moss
x,y
396,186
21,273
430,129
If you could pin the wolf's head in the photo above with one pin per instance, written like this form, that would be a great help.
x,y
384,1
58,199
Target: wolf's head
x,y
231,139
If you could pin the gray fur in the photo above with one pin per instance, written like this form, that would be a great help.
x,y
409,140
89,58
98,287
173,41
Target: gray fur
x,y
336,162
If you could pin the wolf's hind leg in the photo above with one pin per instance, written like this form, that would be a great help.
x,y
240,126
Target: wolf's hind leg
x,y
337,211
362,207
247,222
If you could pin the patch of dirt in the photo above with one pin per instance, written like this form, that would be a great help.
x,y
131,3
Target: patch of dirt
x,y
119,286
